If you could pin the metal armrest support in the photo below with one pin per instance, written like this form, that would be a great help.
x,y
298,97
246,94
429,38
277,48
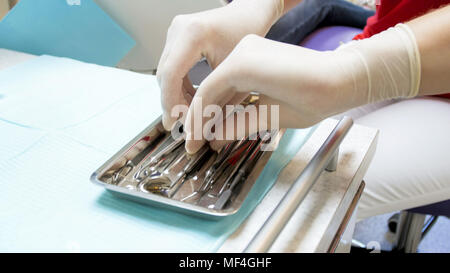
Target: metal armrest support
x,y
325,159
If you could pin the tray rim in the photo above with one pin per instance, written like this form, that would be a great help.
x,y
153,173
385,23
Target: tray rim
x,y
154,199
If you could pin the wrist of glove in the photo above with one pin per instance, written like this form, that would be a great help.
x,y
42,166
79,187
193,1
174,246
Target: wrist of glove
x,y
270,10
382,67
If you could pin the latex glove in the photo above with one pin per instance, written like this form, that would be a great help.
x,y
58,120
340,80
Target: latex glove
x,y
383,67
211,34
309,85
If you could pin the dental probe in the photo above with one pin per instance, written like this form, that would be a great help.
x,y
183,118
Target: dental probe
x,y
245,169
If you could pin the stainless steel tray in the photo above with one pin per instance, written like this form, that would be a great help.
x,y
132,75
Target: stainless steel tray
x,y
170,185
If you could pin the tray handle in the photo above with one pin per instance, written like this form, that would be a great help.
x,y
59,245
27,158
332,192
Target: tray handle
x,y
324,159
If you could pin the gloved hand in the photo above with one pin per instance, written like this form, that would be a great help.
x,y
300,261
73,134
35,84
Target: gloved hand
x,y
309,85
211,34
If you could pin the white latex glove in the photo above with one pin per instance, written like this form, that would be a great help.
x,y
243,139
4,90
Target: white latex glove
x,y
383,67
211,34
309,85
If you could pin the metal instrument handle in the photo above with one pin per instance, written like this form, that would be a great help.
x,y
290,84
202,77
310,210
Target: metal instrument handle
x,y
273,226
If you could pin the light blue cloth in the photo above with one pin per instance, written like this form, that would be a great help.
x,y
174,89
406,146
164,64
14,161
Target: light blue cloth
x,y
77,29
16,139
62,93
46,200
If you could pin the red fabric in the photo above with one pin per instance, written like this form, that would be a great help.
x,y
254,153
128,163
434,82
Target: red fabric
x,y
444,96
391,12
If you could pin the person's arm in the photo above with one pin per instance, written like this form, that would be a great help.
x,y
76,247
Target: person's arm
x,y
405,61
432,33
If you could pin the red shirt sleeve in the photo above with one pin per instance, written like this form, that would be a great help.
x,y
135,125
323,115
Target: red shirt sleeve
x,y
391,12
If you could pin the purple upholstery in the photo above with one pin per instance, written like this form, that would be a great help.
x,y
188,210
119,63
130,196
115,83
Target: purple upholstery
x,y
329,38
437,209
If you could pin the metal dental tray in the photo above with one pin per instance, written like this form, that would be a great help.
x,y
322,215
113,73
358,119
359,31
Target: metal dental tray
x,y
154,169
